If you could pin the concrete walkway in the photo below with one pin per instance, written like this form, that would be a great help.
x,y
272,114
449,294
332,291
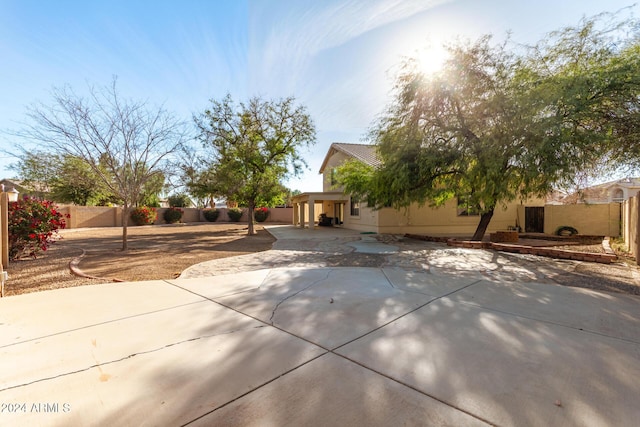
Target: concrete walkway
x,y
447,344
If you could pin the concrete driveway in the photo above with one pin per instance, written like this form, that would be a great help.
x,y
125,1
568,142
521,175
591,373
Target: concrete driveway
x,y
323,346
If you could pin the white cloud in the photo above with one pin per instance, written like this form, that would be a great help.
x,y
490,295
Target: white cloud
x,y
287,35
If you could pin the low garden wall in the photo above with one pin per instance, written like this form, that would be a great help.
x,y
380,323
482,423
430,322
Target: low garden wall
x,y
99,216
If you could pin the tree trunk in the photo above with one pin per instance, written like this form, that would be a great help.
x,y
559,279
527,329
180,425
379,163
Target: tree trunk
x,y
125,222
251,231
485,219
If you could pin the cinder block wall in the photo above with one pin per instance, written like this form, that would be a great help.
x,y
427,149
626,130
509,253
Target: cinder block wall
x,y
100,216
589,219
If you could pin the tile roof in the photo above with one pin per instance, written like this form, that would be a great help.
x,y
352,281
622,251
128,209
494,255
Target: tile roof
x,y
363,152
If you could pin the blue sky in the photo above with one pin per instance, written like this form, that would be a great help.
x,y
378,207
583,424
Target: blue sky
x,y
335,57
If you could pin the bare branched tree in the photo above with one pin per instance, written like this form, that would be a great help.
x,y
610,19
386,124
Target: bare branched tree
x,y
126,143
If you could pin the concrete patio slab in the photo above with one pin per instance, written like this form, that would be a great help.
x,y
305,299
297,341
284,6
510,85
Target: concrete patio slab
x,y
614,315
288,232
438,336
327,306
425,282
507,369
84,347
336,393
36,315
163,368
212,287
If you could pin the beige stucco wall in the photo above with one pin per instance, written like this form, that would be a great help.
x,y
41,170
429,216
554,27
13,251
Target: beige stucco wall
x,y
337,159
598,220
367,221
603,219
99,216
92,216
444,220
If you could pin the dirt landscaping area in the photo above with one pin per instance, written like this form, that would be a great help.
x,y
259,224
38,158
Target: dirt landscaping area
x,y
155,252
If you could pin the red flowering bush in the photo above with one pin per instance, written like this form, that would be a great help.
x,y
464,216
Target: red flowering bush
x,y
173,215
33,226
143,215
261,214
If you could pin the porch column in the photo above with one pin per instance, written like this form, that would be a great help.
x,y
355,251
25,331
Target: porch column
x,y
301,206
296,218
312,215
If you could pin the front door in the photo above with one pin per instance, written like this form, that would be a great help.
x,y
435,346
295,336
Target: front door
x,y
534,219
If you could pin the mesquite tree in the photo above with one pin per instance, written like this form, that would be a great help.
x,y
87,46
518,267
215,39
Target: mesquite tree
x,y
497,125
253,147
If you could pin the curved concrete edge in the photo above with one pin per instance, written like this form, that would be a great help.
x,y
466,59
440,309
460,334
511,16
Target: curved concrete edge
x,y
75,270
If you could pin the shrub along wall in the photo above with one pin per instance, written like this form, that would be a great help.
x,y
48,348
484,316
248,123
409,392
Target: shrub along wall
x,y
99,216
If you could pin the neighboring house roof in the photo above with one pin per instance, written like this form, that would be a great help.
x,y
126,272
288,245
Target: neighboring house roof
x,y
37,189
625,182
602,193
363,152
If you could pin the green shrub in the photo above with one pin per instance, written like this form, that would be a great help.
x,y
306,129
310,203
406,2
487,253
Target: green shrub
x,y
260,214
234,214
566,230
211,215
173,215
143,215
33,226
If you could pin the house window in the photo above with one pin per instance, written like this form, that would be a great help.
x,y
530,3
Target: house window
x,y
334,181
355,207
618,195
466,207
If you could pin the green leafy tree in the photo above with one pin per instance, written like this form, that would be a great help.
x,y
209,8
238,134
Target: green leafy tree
x,y
180,200
254,147
494,126
63,178
38,170
151,190
585,79
127,143
199,178
76,182
453,134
